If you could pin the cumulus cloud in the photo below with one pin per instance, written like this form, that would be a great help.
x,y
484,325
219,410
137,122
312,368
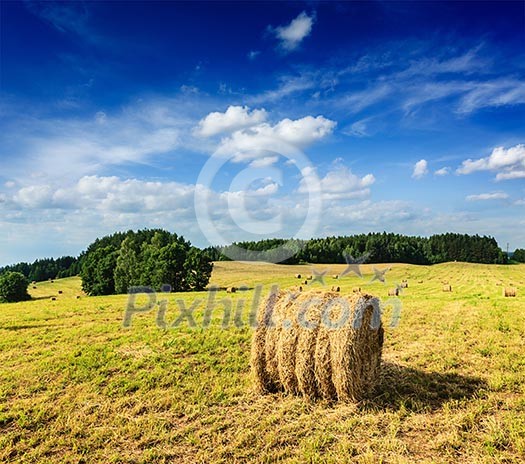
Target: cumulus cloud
x,y
107,194
292,35
235,117
420,169
339,183
442,172
259,140
488,196
508,163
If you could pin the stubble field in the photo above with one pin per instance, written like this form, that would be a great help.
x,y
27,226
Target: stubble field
x,y
77,387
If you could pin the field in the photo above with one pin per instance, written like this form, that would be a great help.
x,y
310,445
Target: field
x,y
78,387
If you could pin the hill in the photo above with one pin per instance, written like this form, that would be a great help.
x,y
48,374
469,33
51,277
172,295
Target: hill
x,y
78,387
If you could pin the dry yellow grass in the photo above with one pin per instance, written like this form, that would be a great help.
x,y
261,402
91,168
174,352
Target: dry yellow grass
x,y
77,387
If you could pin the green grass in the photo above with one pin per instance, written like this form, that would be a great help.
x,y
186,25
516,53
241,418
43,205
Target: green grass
x,y
78,387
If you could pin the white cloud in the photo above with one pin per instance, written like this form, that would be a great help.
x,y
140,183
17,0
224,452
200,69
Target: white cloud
x,y
288,85
495,93
509,163
292,35
264,162
420,169
235,117
338,184
488,196
442,172
257,141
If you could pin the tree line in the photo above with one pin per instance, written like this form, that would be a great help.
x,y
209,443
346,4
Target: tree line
x,y
377,247
46,268
155,257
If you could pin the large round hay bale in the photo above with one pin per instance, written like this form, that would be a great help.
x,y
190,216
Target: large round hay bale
x,y
318,344
510,292
231,290
447,288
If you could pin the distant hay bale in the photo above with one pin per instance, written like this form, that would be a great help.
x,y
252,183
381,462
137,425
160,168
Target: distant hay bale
x,y
305,282
78,297
404,284
510,292
356,290
297,276
231,289
300,289
309,277
317,344
60,292
419,281
34,287
393,292
335,288
335,276
447,288
53,298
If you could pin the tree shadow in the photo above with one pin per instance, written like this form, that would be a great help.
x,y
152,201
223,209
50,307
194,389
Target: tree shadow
x,y
417,391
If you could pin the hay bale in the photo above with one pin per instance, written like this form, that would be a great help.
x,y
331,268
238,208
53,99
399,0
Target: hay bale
x,y
510,292
297,276
335,276
305,282
231,290
393,292
335,288
419,281
309,277
356,290
78,297
60,292
404,284
322,344
447,288
34,287
53,298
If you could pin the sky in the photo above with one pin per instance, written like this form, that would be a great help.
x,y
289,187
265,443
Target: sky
x,y
229,121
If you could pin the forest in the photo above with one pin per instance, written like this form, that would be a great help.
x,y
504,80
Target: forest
x,y
376,247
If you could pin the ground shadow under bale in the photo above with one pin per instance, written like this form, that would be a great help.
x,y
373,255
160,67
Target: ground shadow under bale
x,y
417,390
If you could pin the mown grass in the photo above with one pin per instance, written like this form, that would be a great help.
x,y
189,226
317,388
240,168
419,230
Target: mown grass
x,y
78,387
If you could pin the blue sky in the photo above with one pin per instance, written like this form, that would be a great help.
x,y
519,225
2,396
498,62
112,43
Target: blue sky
x,y
231,121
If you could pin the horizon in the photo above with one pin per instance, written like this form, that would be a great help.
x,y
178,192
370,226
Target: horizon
x,y
299,119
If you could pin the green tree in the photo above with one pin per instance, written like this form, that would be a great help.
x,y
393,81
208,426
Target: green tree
x,y
519,255
13,287
127,270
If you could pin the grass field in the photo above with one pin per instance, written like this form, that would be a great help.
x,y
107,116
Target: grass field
x,y
78,387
